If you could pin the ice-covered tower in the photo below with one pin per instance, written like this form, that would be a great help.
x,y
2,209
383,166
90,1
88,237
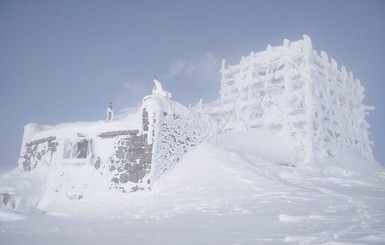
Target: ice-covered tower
x,y
294,92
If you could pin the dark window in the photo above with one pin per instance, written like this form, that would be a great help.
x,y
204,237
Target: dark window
x,y
82,149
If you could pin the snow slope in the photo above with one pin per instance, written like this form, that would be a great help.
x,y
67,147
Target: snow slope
x,y
245,190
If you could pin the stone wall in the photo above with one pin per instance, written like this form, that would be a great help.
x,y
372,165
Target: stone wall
x,y
129,164
38,152
7,201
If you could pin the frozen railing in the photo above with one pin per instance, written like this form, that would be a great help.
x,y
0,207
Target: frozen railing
x,y
339,113
292,91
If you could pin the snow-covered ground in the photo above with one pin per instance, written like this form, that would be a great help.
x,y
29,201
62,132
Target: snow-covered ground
x,y
245,190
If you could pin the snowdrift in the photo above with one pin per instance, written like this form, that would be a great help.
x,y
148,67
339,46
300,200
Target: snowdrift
x,y
231,193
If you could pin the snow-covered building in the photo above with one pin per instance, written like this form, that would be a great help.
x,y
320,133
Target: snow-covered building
x,y
298,94
289,91
126,154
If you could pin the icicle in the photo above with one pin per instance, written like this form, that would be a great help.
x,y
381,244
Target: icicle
x,y
324,56
286,43
334,64
344,72
308,47
223,64
350,75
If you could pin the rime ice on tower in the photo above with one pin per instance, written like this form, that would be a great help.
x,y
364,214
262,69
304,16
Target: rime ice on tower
x,y
293,92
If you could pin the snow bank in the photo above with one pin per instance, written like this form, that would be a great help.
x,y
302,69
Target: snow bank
x,y
225,194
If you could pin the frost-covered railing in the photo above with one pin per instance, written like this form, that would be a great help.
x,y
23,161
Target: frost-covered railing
x,y
292,91
338,115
